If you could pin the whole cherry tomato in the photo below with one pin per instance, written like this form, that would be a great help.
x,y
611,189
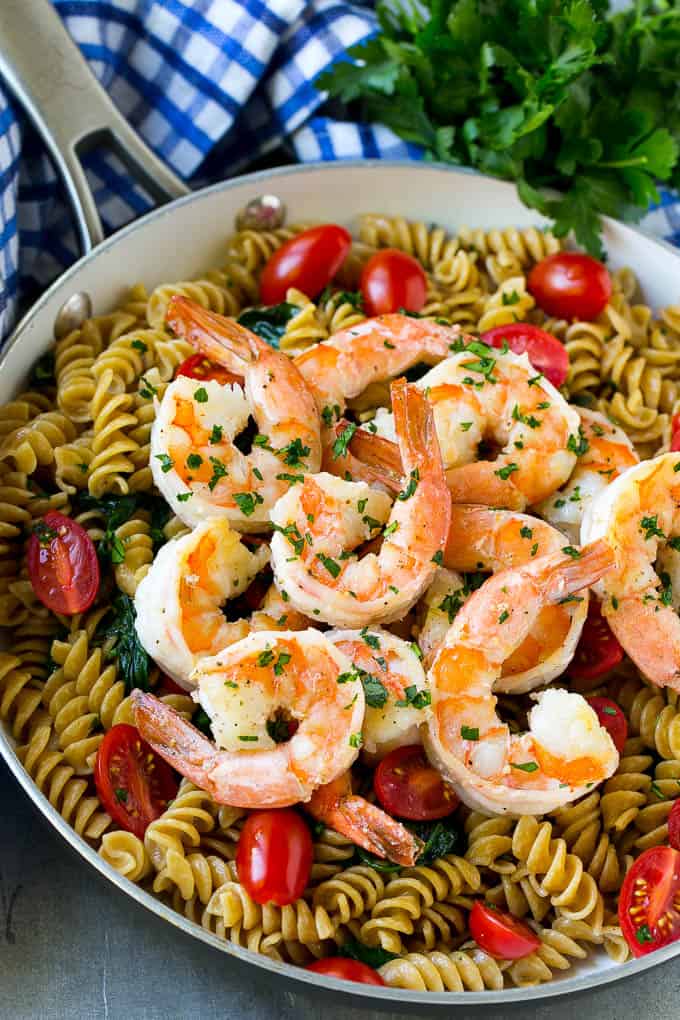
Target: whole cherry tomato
x,y
348,970
309,261
611,718
391,280
545,351
648,901
274,856
197,366
134,784
570,285
674,826
500,934
408,786
598,650
62,564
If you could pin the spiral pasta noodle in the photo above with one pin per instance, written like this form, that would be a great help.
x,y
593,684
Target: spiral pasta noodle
x,y
81,432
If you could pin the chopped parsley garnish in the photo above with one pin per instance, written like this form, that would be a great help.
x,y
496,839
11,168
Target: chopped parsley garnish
x,y
219,471
414,698
331,566
372,640
411,487
438,557
329,414
569,550
293,453
248,739
184,496
265,658
216,434
525,766
121,795
281,663
355,740
578,444
194,460
526,532
650,525
341,443
505,472
469,732
505,615
247,502
165,461
201,397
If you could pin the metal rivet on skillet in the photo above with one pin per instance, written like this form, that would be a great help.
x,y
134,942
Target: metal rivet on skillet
x,y
72,314
266,212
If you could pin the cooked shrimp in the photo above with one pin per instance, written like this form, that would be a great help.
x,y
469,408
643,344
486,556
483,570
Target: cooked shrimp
x,y
339,369
365,824
604,451
195,461
251,691
482,395
179,602
482,539
565,749
320,522
639,515
395,686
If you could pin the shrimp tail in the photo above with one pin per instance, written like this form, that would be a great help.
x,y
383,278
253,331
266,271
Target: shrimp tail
x,y
570,572
222,340
365,824
369,458
415,427
173,738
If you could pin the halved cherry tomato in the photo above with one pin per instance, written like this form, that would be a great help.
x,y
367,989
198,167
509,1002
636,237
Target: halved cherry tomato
x,y
274,856
675,433
62,564
611,718
197,366
407,786
570,285
500,934
545,351
674,826
391,280
309,261
598,650
134,784
649,901
348,970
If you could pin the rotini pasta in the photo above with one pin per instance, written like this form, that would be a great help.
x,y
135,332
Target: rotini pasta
x,y
81,439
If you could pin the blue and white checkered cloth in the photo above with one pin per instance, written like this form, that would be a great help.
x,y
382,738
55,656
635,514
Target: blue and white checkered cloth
x,y
211,85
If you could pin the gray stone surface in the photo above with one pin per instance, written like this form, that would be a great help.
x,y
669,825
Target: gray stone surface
x,y
71,946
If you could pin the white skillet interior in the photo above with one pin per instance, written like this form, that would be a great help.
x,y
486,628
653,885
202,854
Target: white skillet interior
x,y
179,241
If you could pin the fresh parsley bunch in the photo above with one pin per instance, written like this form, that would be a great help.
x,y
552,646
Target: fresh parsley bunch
x,y
560,97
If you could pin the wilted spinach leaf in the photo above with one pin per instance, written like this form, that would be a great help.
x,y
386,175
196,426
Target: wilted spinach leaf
x,y
372,956
132,660
269,323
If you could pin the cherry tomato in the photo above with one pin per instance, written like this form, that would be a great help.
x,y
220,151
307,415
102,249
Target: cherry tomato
x,y
500,934
391,280
545,351
274,856
134,784
675,433
406,785
348,970
611,718
674,826
309,261
598,651
649,901
197,366
570,285
62,564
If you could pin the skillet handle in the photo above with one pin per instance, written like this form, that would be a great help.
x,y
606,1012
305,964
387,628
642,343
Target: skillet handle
x,y
46,71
